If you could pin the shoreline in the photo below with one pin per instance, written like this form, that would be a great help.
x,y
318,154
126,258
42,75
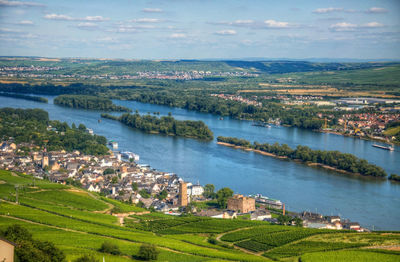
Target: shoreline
x,y
295,160
367,138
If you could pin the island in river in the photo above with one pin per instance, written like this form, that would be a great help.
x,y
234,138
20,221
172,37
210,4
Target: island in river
x,y
333,160
166,125
89,102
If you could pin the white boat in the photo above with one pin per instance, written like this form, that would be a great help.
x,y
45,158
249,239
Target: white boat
x,y
390,148
113,144
130,155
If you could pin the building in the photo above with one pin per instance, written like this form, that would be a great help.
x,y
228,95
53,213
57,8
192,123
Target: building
x,y
260,215
182,197
45,161
6,250
195,190
242,204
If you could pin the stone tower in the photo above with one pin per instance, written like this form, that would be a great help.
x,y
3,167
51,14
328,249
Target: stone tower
x,y
45,161
183,199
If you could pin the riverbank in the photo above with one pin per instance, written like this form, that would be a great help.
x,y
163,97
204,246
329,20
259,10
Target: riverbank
x,y
311,164
368,138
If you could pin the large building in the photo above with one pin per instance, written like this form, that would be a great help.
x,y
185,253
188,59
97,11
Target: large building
x,y
182,197
241,204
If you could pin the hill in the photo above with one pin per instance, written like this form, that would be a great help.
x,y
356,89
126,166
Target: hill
x,y
78,222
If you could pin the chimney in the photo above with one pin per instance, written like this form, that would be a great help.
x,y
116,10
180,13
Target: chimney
x,y
283,207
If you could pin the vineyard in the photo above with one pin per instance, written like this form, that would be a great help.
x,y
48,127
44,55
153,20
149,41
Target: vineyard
x,y
78,222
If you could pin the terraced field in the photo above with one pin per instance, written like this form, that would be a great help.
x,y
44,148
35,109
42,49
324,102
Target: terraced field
x,y
76,222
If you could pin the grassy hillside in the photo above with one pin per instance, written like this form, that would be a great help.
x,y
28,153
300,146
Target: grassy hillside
x,y
78,222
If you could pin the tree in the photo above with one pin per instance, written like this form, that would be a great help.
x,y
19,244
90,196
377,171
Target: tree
x,y
134,186
108,247
148,252
29,249
284,220
86,258
108,171
144,193
162,195
222,196
209,191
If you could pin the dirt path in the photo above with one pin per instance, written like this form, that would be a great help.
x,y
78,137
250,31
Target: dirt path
x,y
224,233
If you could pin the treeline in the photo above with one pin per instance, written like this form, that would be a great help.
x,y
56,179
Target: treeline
x,y
26,97
34,126
165,125
297,117
200,101
88,102
335,159
394,177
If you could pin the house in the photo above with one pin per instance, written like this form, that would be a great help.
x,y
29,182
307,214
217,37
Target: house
x,y
6,250
195,190
260,215
229,214
352,226
92,188
333,219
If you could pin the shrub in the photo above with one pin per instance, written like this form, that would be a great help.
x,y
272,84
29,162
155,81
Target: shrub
x,y
86,258
148,252
108,247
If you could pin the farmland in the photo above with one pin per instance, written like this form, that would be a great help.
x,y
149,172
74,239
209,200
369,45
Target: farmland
x,y
78,222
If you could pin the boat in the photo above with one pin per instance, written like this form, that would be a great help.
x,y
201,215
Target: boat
x,y
390,148
262,124
113,144
266,200
130,155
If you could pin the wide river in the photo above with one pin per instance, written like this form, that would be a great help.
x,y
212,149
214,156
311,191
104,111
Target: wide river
x,y
375,204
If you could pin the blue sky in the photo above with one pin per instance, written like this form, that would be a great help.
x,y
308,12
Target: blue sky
x,y
198,29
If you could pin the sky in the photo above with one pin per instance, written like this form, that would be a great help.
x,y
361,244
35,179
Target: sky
x,y
201,29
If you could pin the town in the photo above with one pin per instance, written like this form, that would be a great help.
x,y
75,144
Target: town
x,y
117,176
50,73
360,117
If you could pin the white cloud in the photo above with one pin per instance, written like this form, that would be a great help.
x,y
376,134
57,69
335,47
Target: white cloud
x,y
243,22
226,32
343,26
327,10
70,18
376,10
21,4
58,17
87,25
146,20
276,24
152,10
373,25
96,18
177,36
25,22
8,30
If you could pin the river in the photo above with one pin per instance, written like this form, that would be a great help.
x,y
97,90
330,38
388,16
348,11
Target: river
x,y
373,203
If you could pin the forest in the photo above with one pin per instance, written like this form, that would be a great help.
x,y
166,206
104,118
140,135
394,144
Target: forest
x,y
34,126
26,97
335,159
298,117
88,102
166,125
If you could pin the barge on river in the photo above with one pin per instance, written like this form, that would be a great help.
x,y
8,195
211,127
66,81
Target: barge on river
x,y
390,148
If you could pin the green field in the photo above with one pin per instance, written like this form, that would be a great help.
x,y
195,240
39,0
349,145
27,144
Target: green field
x,y
78,222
